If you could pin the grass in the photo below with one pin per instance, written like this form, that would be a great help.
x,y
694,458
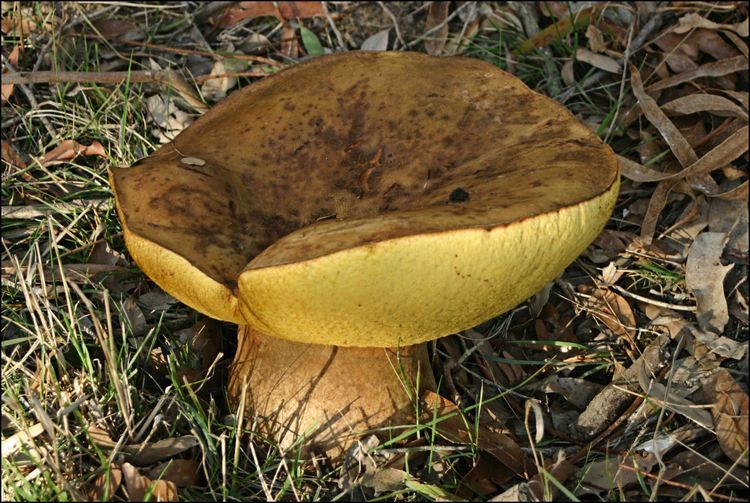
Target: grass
x,y
82,348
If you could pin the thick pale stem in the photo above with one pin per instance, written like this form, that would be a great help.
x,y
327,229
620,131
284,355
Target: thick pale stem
x,y
329,394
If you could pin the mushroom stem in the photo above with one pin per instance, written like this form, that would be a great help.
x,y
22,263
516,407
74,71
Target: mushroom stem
x,y
330,394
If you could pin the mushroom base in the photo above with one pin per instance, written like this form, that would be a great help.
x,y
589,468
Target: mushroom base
x,y
329,394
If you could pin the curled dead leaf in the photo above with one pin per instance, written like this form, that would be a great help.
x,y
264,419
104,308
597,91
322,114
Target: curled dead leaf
x,y
694,103
713,69
598,61
181,472
704,276
7,89
106,485
144,453
69,150
672,136
451,425
730,413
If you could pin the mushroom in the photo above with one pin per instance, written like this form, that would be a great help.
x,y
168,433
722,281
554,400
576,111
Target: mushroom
x,y
348,209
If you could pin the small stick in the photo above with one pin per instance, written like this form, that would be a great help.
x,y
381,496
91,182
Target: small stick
x,y
195,52
145,76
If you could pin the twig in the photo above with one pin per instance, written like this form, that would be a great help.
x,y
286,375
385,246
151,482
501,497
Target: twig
x,y
141,76
213,55
438,26
335,29
654,302
395,22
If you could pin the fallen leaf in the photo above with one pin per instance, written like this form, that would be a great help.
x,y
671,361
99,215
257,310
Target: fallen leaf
x,y
282,11
730,413
693,20
454,428
672,136
311,42
7,89
138,486
609,403
730,217
437,13
376,42
713,69
117,29
718,157
596,39
613,472
135,317
135,484
657,394
575,390
216,89
181,472
712,103
11,155
612,310
598,61
106,485
656,205
69,150
144,453
704,276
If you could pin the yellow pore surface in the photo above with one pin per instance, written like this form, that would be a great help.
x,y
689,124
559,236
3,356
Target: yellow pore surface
x,y
421,287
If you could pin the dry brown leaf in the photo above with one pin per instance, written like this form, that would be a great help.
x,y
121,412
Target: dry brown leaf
x,y
437,13
730,216
677,143
11,155
216,89
713,44
730,413
614,311
69,150
501,446
7,89
577,391
106,485
284,11
718,157
613,472
712,103
598,60
704,276
181,472
656,205
144,453
135,484
713,69
693,20
596,39
117,29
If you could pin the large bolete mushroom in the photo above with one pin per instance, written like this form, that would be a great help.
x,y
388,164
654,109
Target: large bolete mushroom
x,y
350,208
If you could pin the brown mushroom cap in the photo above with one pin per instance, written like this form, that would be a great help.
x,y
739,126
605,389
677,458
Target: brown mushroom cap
x,y
368,199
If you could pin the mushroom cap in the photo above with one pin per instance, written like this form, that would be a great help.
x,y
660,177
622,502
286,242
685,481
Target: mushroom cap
x,y
368,199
